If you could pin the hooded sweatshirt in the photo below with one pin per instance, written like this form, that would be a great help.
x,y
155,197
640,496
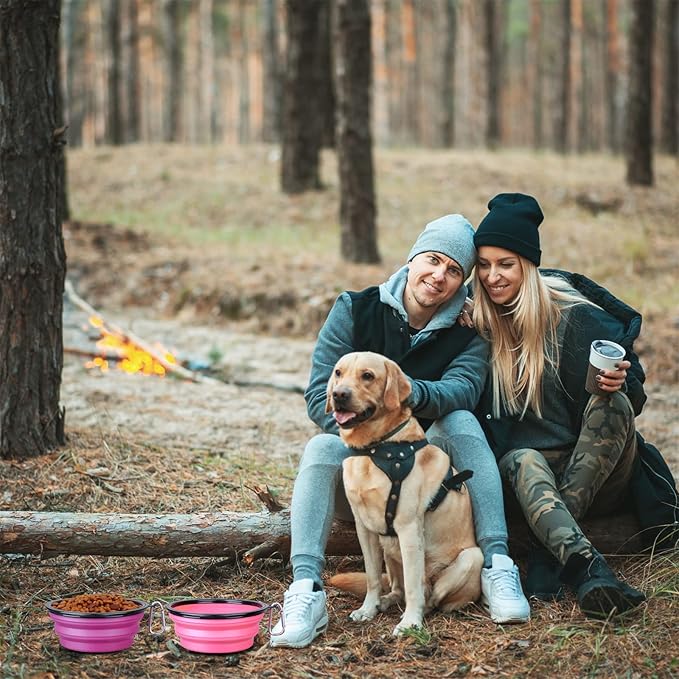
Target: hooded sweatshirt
x,y
448,362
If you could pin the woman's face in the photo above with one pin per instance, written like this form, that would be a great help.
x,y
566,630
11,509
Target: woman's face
x,y
500,273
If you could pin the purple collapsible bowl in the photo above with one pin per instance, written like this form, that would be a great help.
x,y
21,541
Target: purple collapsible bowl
x,y
218,625
97,632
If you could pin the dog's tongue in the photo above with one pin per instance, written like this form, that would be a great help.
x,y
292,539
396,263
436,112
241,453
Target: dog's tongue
x,y
342,416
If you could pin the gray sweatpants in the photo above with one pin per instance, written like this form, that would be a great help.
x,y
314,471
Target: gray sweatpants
x,y
318,495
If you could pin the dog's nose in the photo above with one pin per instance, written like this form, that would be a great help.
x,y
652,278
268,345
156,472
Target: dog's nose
x,y
340,395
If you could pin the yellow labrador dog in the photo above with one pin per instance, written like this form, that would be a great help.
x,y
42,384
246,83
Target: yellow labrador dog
x,y
393,481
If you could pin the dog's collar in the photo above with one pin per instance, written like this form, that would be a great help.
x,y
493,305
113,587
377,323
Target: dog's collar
x,y
393,432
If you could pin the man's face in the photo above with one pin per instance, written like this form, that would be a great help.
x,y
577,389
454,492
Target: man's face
x,y
433,278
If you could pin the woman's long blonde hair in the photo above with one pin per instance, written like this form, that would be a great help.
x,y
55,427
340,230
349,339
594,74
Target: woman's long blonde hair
x,y
523,337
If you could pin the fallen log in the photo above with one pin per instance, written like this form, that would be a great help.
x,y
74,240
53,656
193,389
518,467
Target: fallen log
x,y
251,535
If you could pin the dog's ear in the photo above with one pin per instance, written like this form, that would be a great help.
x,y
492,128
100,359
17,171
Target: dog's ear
x,y
328,395
396,387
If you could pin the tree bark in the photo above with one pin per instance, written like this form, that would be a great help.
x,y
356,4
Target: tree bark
x,y
411,85
352,38
492,41
612,75
73,56
243,75
207,73
639,147
577,131
326,59
301,133
172,99
561,142
447,133
393,48
132,86
271,98
536,71
226,533
669,122
114,125
32,257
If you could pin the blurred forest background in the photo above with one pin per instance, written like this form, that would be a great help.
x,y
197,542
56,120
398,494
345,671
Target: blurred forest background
x,y
465,73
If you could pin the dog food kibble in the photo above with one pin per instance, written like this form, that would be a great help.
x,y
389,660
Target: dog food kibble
x,y
96,603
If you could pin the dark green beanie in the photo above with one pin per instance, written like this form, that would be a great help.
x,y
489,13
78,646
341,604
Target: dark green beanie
x,y
512,224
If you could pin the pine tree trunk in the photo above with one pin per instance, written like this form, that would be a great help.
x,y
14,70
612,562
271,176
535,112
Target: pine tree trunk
x,y
612,73
411,110
447,134
669,119
114,125
73,52
172,95
492,42
271,123
132,86
326,64
207,73
639,133
393,57
32,257
244,76
301,133
352,39
536,71
564,109
576,133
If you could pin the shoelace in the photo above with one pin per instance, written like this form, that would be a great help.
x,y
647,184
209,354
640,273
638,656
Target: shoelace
x,y
296,606
506,581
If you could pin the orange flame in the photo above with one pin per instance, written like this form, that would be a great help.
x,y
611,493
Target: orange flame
x,y
129,356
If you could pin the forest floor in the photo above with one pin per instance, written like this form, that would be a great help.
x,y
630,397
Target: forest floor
x,y
195,249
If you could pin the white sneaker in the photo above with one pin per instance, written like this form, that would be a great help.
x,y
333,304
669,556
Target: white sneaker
x,y
501,591
305,616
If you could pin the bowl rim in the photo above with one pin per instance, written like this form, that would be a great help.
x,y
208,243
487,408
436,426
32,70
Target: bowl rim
x,y
142,606
258,608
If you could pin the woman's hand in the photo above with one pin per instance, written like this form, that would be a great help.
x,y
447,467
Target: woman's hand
x,y
612,380
465,317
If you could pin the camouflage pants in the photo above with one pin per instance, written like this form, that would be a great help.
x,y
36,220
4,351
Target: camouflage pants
x,y
556,488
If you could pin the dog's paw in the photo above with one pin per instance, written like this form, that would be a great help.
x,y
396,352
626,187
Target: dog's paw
x,y
388,600
362,614
402,628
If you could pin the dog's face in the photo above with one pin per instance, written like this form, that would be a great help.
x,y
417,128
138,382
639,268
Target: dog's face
x,y
364,387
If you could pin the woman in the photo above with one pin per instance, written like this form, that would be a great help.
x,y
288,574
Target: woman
x,y
565,454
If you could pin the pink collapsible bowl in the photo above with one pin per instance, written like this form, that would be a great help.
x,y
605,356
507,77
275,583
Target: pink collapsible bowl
x,y
97,632
218,625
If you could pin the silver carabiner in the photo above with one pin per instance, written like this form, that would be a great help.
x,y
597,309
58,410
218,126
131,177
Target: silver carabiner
x,y
281,615
157,605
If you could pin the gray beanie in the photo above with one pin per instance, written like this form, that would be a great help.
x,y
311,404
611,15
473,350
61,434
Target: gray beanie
x,y
452,236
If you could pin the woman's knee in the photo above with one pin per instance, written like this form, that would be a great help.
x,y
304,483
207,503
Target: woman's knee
x,y
520,459
610,413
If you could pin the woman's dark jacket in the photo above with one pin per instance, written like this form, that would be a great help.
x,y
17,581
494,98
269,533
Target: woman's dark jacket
x,y
652,491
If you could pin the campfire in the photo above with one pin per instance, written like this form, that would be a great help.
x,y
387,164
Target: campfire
x,y
124,350
121,350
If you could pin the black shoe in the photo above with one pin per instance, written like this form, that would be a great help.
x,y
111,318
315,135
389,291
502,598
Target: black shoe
x,y
542,576
599,593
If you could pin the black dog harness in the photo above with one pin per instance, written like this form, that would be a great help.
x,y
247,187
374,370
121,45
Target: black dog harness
x,y
396,460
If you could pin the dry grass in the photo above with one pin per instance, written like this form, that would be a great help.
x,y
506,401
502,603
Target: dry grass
x,y
212,241
557,641
224,244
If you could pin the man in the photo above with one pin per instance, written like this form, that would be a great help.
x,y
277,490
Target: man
x,y
412,319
